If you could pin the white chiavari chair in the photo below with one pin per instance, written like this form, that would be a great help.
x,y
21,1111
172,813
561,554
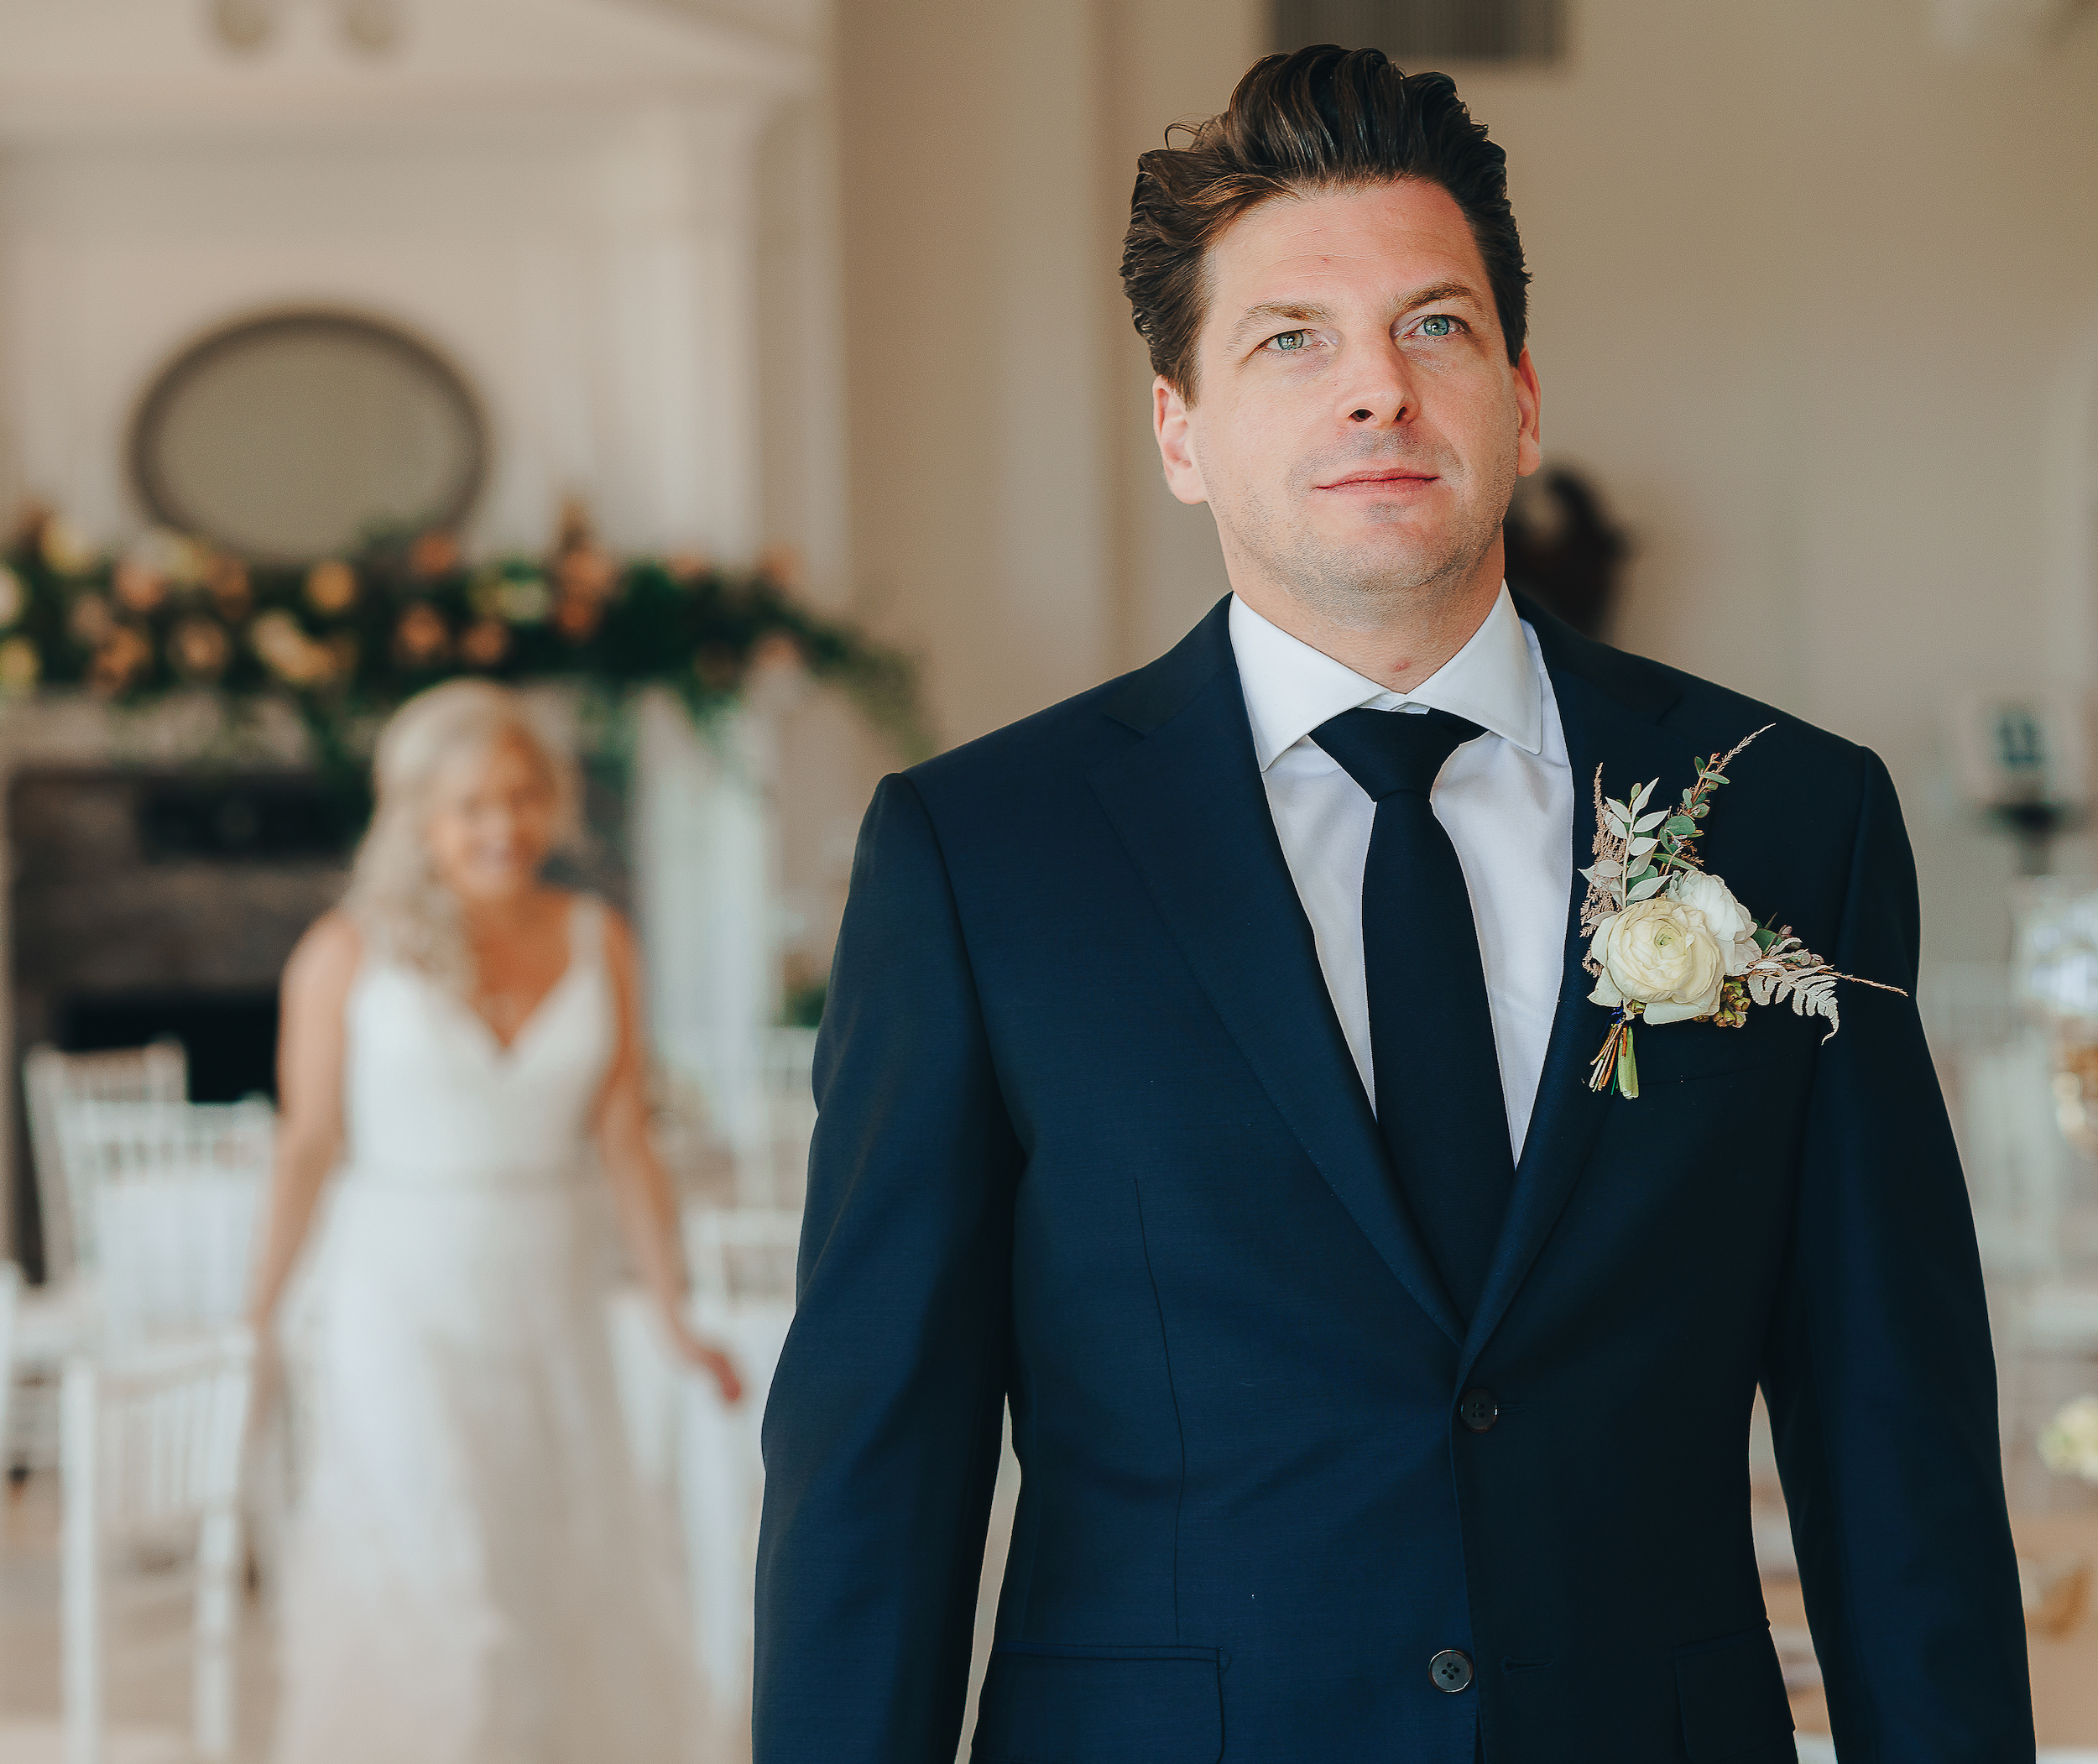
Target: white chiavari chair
x,y
10,1300
57,1317
774,1172
108,1144
173,1194
742,1262
51,1081
151,1451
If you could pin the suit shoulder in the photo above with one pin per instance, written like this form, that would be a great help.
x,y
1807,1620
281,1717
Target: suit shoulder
x,y
1711,718
1715,717
1070,735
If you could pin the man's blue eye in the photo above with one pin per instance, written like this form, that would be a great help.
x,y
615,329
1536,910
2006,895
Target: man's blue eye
x,y
1289,340
1439,324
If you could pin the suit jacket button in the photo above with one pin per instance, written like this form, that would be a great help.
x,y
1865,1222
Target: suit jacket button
x,y
1450,1670
1477,1410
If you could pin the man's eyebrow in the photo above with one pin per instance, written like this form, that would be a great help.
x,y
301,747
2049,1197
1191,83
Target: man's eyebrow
x,y
1268,312
1297,312
1440,292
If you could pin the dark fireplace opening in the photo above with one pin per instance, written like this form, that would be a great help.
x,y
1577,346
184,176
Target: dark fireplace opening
x,y
148,903
230,1039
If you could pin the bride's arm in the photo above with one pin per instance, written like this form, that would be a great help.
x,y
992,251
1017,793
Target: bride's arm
x,y
640,1186
311,1038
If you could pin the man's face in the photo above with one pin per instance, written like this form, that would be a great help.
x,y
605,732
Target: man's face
x,y
1357,427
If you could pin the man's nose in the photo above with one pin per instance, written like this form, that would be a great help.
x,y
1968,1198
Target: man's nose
x,y
1378,393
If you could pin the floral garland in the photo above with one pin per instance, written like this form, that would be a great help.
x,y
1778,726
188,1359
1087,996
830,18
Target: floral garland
x,y
347,639
1667,940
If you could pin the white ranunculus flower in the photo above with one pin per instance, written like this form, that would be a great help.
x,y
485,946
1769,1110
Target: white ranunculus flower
x,y
1731,924
1660,955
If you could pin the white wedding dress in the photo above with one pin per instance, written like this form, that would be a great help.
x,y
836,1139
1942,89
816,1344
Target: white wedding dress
x,y
470,1575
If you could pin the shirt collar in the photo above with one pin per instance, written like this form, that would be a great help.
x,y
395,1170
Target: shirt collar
x,y
1291,688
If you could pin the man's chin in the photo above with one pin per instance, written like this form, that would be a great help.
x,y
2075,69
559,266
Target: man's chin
x,y
1376,565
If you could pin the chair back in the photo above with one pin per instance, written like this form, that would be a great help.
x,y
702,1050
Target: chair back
x,y
10,1292
151,1450
776,1172
742,1260
158,1072
174,1196
740,1254
154,1441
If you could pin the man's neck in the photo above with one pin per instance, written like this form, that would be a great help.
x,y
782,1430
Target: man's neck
x,y
1398,647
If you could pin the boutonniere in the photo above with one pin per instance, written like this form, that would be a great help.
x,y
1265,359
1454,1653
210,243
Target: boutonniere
x,y
1667,940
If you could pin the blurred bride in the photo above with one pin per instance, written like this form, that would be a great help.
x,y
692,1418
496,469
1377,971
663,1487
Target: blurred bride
x,y
467,1578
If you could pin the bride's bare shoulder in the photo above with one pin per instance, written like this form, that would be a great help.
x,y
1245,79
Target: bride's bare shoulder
x,y
325,958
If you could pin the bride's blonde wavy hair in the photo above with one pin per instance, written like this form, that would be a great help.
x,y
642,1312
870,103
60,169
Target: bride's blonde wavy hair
x,y
395,894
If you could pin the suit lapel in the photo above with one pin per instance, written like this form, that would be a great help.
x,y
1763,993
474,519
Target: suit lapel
x,y
1608,704
1190,808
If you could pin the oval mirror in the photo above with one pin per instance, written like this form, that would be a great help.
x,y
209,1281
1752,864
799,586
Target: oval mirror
x,y
293,436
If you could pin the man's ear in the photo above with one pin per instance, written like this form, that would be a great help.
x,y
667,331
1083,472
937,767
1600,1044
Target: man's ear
x,y
1529,433
1169,423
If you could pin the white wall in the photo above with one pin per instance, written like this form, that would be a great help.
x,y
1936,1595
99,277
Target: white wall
x,y
559,195
967,142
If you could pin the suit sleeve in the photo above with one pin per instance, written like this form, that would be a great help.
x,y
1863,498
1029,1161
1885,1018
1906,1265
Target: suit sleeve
x,y
881,1434
1880,1374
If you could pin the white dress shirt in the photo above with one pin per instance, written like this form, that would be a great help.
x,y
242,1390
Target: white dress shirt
x,y
1506,799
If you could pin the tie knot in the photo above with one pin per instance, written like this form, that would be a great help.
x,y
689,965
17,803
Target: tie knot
x,y
1389,751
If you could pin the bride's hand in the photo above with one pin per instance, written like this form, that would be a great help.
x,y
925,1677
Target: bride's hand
x,y
704,1358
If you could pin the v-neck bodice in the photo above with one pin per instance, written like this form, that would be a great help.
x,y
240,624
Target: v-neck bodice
x,y
434,1097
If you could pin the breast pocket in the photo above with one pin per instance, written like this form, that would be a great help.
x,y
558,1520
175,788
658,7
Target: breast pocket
x,y
1735,1708
1047,1703
1772,1038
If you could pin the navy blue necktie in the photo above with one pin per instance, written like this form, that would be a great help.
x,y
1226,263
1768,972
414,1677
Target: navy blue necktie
x,y
1440,1102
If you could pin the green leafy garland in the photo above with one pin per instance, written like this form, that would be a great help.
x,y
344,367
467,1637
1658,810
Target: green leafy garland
x,y
349,639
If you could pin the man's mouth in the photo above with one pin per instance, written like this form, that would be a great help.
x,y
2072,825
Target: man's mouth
x,y
1385,475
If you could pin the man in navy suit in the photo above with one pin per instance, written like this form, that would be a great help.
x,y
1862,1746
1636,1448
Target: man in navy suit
x,y
1205,1078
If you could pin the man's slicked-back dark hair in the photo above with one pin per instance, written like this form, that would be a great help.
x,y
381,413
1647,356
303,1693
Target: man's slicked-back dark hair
x,y
1320,118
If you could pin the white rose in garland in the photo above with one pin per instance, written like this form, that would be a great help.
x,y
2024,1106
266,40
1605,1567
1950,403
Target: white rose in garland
x,y
1662,956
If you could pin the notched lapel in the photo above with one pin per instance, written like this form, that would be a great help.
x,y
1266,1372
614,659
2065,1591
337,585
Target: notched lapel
x,y
1188,804
1631,747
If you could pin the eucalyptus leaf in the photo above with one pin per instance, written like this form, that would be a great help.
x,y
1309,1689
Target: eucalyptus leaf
x,y
1678,825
